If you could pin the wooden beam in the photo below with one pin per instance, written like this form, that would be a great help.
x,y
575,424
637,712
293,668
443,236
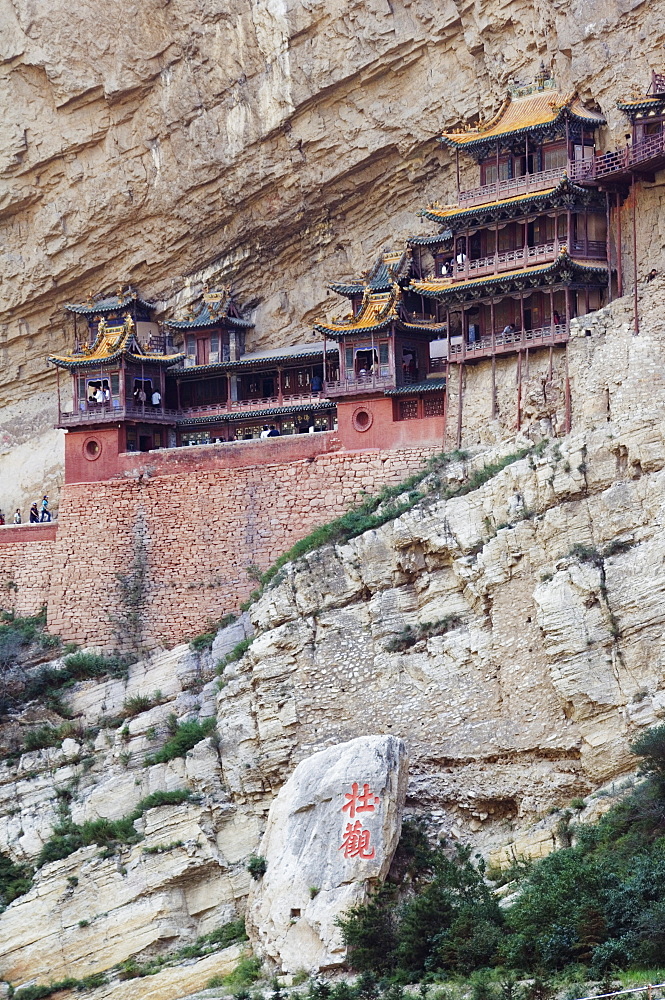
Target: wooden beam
x,y
459,404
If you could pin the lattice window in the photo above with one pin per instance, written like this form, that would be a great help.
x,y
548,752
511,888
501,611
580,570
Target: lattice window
x,y
433,406
408,409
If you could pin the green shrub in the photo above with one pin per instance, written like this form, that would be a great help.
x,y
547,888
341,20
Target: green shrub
x,y
50,736
412,634
185,736
650,746
236,653
68,837
203,641
15,880
257,866
246,972
136,704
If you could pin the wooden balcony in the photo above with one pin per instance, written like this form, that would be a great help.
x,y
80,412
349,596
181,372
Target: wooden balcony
x,y
510,187
509,343
515,260
359,385
643,158
94,413
102,413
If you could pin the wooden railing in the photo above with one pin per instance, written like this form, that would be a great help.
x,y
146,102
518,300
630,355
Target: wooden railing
x,y
106,413
509,187
354,385
508,341
511,260
652,147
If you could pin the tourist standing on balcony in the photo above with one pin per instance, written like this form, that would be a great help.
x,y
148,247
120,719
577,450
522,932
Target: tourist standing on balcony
x,y
99,396
273,432
17,516
265,432
156,397
317,383
34,514
2,518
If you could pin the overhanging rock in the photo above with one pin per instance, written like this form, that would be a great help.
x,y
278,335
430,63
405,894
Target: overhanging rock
x,y
331,833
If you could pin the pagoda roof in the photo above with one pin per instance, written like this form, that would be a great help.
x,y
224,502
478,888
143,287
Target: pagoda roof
x,y
426,241
564,270
379,311
217,309
274,355
109,303
525,110
642,106
112,343
565,192
391,266
431,385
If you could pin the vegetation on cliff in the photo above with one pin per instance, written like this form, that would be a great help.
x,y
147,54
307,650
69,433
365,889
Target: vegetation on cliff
x,y
596,905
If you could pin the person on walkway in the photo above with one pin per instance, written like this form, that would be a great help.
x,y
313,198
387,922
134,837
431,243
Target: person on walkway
x,y
652,274
273,432
99,396
17,516
317,383
34,514
2,518
46,513
265,432
156,397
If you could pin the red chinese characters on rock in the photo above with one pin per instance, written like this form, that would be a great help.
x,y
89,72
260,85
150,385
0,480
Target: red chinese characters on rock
x,y
356,839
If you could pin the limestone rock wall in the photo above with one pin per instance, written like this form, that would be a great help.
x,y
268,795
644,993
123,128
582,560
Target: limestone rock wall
x,y
278,144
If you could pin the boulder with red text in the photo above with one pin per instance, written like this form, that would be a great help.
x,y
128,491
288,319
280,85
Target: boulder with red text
x,y
331,834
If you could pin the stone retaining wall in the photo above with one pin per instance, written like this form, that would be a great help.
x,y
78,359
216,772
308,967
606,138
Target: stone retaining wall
x,y
195,533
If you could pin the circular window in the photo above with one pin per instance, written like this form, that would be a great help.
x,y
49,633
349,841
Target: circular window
x,y
362,419
92,449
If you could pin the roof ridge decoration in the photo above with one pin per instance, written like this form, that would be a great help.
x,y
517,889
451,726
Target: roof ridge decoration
x,y
390,266
112,342
105,302
213,311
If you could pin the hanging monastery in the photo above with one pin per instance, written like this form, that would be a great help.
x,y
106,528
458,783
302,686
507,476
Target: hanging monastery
x,y
169,413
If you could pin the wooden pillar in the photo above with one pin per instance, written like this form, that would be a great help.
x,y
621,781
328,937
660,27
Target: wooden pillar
x,y
76,393
445,410
551,365
522,314
494,387
459,404
280,398
492,324
463,335
526,155
457,171
177,392
497,171
567,394
608,246
519,390
633,192
552,331
619,262
567,292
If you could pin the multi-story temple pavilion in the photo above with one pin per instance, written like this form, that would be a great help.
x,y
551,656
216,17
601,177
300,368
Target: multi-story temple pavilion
x,y
519,256
386,373
132,390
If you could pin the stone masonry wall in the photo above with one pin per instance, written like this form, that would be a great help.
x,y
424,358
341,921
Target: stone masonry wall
x,y
196,536
26,560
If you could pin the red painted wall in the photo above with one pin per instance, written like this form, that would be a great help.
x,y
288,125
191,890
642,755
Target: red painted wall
x,y
81,466
384,431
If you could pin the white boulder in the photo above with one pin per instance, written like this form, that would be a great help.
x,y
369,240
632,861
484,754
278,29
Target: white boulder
x,y
331,832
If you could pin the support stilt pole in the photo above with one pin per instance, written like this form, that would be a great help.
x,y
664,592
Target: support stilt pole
x,y
635,304
459,405
519,390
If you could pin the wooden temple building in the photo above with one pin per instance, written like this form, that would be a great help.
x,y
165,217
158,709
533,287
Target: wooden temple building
x,y
512,262
386,373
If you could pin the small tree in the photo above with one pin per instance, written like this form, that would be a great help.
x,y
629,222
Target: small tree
x,y
650,746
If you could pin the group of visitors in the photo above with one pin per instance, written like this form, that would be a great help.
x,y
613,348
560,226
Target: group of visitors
x,y
37,514
141,396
